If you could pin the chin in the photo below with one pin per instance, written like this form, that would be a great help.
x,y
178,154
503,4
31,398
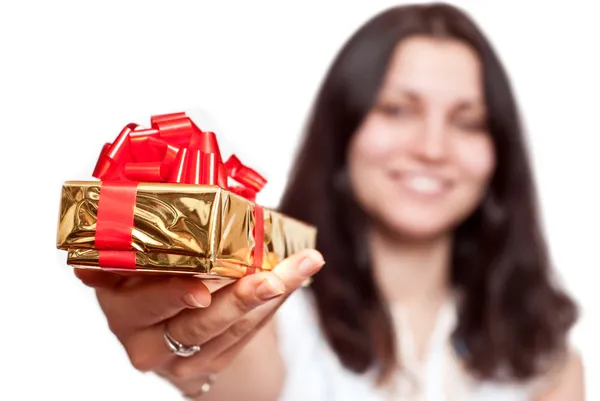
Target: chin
x,y
416,229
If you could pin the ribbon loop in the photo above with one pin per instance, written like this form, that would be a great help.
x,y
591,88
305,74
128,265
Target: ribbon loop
x,y
174,150
244,175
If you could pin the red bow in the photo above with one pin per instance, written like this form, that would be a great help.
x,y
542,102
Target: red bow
x,y
174,150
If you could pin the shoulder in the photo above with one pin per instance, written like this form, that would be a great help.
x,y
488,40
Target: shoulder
x,y
566,381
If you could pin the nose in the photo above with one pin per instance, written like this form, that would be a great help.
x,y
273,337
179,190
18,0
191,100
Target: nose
x,y
432,142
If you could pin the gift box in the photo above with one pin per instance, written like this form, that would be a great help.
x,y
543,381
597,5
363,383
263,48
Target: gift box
x,y
167,203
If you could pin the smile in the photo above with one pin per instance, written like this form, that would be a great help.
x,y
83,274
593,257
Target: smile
x,y
422,183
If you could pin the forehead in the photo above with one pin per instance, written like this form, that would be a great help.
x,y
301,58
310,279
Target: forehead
x,y
435,68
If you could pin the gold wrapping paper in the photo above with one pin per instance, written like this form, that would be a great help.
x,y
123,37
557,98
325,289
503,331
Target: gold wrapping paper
x,y
202,230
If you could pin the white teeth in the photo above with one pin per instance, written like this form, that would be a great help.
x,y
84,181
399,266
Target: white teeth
x,y
424,184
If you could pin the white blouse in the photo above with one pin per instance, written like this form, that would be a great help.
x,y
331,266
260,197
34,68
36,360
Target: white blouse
x,y
313,372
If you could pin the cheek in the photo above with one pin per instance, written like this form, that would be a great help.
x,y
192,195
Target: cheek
x,y
368,152
477,159
373,141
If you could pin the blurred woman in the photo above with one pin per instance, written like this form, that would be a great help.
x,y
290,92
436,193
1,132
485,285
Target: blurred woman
x,y
437,285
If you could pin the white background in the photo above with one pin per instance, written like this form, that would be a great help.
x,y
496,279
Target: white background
x,y
72,74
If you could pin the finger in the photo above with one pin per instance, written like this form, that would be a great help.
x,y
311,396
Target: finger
x,y
98,278
142,350
295,275
233,302
152,301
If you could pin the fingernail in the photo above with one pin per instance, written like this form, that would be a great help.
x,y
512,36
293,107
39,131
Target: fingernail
x,y
309,266
193,302
269,288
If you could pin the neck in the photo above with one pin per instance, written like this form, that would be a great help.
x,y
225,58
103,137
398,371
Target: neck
x,y
411,272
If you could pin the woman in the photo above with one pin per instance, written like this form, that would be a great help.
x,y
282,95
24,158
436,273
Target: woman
x,y
437,283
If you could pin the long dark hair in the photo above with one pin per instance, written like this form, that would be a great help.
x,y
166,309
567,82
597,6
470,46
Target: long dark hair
x,y
513,317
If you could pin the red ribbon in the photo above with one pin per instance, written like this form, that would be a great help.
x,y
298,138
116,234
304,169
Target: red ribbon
x,y
172,150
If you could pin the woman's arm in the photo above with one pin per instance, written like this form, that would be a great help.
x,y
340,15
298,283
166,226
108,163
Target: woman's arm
x,y
568,384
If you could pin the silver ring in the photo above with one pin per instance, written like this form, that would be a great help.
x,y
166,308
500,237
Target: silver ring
x,y
178,348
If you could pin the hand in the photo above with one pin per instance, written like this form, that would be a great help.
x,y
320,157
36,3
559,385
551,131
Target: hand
x,y
139,309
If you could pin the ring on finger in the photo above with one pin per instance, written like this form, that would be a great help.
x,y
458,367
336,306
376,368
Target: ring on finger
x,y
178,348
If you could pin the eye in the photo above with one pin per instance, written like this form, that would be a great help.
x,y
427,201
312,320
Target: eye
x,y
471,125
470,122
394,109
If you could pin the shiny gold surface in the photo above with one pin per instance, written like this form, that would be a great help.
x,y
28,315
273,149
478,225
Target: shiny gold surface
x,y
182,229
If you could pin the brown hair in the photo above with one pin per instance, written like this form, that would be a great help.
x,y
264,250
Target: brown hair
x,y
513,316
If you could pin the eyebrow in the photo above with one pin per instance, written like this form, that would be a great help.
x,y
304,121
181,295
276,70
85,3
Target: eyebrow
x,y
414,96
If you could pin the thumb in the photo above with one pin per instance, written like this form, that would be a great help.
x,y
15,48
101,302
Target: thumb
x,y
299,267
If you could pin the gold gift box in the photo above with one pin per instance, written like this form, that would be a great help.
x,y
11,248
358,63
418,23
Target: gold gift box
x,y
202,230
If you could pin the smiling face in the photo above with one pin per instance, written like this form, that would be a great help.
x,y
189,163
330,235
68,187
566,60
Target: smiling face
x,y
420,162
